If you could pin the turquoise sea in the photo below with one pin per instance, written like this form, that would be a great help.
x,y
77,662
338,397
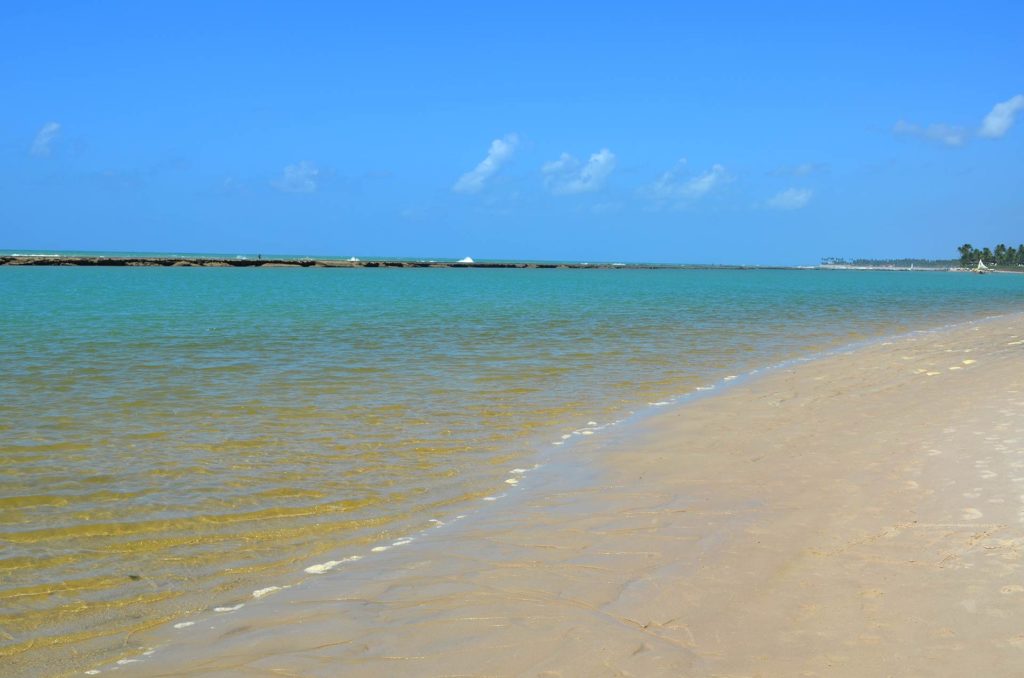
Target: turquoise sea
x,y
174,439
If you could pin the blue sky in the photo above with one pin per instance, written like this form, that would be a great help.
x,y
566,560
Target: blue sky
x,y
721,133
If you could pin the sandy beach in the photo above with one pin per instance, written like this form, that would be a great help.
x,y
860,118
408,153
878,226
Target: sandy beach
x,y
858,514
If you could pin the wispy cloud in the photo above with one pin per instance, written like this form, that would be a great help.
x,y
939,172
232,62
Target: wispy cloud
x,y
705,183
949,135
229,186
997,123
567,175
44,137
802,170
676,185
1001,118
498,154
299,178
790,199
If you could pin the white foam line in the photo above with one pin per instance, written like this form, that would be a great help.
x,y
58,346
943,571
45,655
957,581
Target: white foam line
x,y
402,542
437,523
320,568
593,427
232,608
182,625
379,549
92,672
329,565
259,593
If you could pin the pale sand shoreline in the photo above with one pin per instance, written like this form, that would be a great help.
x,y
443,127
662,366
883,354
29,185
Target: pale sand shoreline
x,y
860,514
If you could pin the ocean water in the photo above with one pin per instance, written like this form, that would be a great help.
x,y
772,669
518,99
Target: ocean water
x,y
174,439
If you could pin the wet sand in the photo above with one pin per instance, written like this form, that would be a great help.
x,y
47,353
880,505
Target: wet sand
x,y
860,514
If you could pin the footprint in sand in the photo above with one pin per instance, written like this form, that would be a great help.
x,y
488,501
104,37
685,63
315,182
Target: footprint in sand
x,y
971,514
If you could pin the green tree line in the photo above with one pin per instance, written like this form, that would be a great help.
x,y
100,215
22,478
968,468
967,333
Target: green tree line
x,y
1002,255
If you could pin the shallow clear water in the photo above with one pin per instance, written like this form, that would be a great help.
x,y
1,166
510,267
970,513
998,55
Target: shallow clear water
x,y
174,438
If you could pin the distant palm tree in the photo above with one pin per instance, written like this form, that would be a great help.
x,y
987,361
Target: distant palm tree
x,y
1000,254
967,253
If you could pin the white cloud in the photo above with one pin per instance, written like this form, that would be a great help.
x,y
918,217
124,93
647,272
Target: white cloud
x,y
298,178
997,123
1000,119
703,184
950,135
567,175
791,199
497,155
44,137
673,186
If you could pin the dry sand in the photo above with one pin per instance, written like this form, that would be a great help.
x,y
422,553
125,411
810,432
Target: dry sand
x,y
858,515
